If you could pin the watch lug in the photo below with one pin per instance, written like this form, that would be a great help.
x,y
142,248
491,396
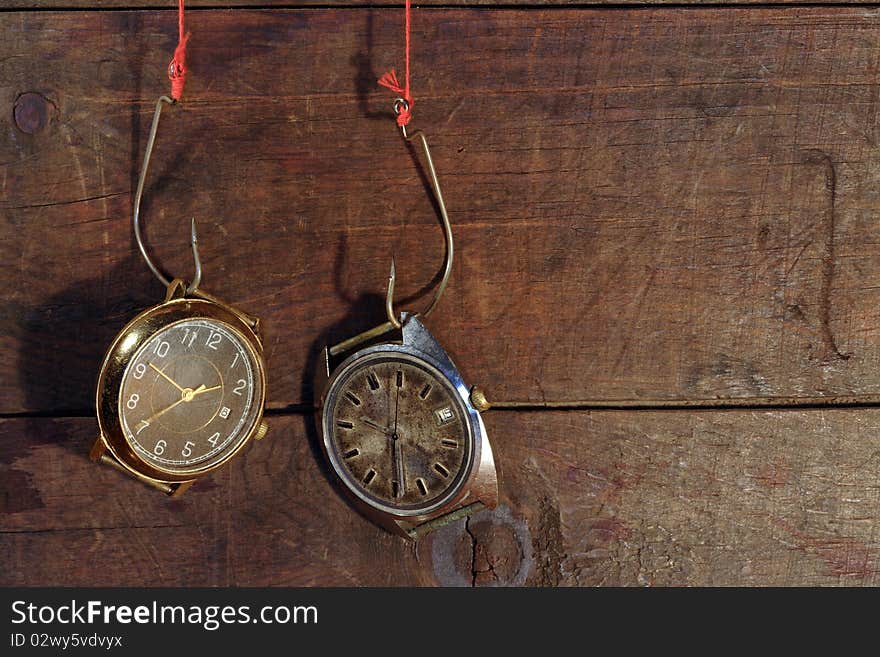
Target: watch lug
x,y
399,528
485,483
176,290
181,488
417,336
98,449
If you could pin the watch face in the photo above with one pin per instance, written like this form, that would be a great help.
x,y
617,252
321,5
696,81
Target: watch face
x,y
190,395
397,432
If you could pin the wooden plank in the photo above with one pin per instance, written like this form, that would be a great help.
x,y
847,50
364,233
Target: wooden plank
x,y
270,519
734,498
604,498
648,205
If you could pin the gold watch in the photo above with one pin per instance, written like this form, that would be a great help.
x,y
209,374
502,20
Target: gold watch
x,y
183,387
181,391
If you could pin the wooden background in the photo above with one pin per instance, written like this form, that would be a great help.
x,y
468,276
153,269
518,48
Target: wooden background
x,y
668,262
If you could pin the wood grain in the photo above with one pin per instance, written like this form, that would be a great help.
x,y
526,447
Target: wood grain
x,y
648,205
603,498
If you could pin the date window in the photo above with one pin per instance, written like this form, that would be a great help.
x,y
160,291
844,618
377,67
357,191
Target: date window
x,y
444,415
224,412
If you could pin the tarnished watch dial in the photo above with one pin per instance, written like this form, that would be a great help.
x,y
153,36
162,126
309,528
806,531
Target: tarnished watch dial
x,y
398,432
190,395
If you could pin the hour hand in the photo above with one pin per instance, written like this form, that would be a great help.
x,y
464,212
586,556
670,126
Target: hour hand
x,y
375,425
202,388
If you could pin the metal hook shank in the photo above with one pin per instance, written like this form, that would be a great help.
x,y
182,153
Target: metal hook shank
x,y
447,233
151,141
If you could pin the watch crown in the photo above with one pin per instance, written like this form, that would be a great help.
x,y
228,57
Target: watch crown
x,y
478,399
262,430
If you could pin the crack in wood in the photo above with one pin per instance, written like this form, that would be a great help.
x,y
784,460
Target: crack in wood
x,y
696,404
467,529
86,199
818,156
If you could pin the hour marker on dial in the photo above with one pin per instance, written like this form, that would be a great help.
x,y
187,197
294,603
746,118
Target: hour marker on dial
x,y
442,470
352,398
373,380
399,379
423,489
345,424
451,444
425,391
371,474
350,454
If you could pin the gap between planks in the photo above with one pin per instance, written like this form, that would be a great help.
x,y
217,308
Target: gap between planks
x,y
727,404
656,5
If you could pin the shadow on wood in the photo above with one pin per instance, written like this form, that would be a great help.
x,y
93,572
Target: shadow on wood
x,y
65,338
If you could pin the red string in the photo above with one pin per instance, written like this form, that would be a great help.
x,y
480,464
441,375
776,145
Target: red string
x,y
389,80
177,67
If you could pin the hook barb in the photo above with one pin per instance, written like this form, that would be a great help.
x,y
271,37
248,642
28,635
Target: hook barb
x,y
136,213
194,241
389,297
447,230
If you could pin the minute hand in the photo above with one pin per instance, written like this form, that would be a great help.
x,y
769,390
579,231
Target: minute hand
x,y
396,410
397,458
166,377
155,416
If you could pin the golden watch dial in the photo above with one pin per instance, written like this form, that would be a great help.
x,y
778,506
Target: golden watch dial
x,y
190,395
398,432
